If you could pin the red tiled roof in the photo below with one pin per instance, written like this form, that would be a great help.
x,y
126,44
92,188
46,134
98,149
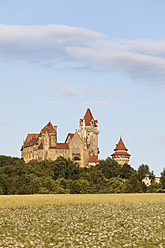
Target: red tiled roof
x,y
120,146
33,141
29,139
121,153
93,159
49,126
88,117
62,146
32,138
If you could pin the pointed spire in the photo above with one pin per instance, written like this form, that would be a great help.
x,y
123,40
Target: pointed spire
x,y
88,117
120,145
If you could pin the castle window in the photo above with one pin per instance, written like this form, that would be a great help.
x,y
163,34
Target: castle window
x,y
76,158
76,150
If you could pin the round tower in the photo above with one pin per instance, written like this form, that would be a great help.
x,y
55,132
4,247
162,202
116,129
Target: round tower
x,y
121,155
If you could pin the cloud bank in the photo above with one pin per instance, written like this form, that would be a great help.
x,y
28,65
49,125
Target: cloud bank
x,y
57,44
37,43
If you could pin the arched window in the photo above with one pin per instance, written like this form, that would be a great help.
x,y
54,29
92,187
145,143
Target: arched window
x,y
76,150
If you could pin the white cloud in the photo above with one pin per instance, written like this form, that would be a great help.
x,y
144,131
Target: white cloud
x,y
54,45
138,61
36,42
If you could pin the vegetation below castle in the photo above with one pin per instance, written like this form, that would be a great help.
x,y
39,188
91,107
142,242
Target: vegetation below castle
x,y
64,176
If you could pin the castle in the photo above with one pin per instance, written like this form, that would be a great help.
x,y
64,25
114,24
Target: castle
x,y
81,146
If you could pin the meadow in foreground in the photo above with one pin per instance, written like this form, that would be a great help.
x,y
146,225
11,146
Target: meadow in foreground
x,y
84,225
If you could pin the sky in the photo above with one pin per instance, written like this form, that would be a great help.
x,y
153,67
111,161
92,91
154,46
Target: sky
x,y
58,58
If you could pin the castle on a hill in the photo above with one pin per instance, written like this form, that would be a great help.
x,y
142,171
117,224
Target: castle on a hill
x,y
81,146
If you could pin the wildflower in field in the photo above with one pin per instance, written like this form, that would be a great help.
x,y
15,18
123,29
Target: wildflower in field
x,y
84,225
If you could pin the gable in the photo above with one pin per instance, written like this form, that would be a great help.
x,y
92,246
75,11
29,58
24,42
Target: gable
x,y
69,137
48,127
76,140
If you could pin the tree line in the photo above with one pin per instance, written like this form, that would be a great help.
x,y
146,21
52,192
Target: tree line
x,y
63,176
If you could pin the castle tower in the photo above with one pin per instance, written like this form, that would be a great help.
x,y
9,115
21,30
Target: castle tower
x,y
120,154
89,133
49,135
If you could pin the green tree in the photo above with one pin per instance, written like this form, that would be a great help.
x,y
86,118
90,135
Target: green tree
x,y
144,170
59,189
4,183
80,186
114,185
162,178
154,187
126,171
48,183
1,190
132,185
65,168
143,187
109,167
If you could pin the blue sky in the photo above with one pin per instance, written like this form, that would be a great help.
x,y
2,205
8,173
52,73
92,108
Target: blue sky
x,y
57,58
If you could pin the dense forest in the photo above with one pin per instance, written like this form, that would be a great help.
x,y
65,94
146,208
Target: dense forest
x,y
64,176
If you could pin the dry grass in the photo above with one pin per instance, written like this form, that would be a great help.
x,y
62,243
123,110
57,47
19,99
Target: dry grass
x,y
17,201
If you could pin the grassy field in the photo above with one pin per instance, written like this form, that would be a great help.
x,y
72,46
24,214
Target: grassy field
x,y
17,201
121,220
